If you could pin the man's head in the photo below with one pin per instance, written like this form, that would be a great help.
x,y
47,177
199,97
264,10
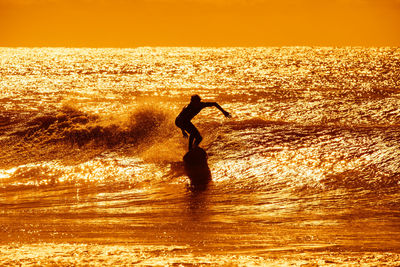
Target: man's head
x,y
195,98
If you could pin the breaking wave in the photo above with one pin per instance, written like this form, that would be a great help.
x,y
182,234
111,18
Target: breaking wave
x,y
71,134
79,128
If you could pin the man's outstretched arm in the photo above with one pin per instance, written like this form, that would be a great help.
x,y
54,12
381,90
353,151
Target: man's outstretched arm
x,y
215,104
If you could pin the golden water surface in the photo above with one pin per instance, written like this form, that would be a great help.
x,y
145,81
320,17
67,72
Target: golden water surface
x,y
307,170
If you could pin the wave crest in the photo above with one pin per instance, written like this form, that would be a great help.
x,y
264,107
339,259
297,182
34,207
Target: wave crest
x,y
79,128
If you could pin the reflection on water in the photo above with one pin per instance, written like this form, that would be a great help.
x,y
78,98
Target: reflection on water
x,y
172,223
307,171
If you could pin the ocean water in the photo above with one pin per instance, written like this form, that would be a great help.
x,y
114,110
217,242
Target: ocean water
x,y
307,170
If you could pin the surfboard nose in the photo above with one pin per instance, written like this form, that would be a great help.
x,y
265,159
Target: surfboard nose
x,y
196,167
195,156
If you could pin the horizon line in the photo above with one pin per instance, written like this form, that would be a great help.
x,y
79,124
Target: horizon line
x,y
211,46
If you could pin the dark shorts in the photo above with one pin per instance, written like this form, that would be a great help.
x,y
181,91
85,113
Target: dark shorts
x,y
188,127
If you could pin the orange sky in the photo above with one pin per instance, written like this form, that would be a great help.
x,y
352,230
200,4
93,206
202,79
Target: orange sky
x,y
132,23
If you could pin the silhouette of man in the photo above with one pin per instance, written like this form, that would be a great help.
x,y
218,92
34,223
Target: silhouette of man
x,y
183,121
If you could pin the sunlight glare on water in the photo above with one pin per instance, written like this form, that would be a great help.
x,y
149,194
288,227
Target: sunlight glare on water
x,y
305,172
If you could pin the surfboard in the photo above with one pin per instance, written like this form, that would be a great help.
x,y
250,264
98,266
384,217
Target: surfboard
x,y
196,167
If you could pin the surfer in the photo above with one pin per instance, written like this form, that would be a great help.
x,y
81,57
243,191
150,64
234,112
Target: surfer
x,y
183,121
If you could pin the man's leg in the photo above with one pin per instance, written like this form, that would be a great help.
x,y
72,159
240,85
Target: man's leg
x,y
194,136
191,138
197,140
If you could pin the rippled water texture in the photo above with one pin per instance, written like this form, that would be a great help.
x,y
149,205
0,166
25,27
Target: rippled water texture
x,y
307,171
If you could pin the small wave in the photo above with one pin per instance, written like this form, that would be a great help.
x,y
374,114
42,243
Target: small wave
x,y
367,178
256,122
261,153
